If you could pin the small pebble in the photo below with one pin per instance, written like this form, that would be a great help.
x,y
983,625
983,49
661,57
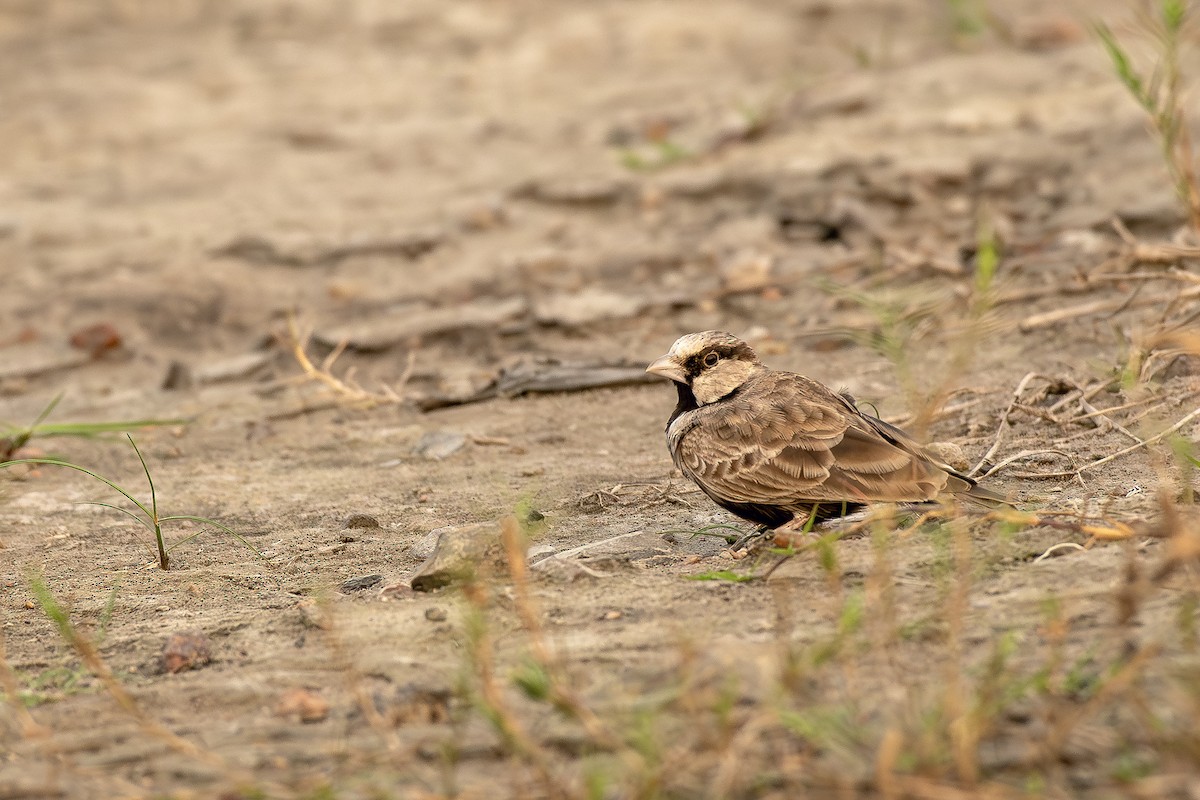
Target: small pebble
x,y
358,584
424,547
435,614
186,650
361,521
303,705
539,550
436,445
312,616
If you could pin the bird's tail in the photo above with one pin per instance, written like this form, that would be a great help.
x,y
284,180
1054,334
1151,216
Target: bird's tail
x,y
986,497
967,489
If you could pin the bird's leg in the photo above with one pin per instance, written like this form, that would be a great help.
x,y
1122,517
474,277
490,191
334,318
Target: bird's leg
x,y
761,530
792,530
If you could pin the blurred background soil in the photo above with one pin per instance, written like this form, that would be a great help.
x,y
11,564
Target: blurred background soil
x,y
452,190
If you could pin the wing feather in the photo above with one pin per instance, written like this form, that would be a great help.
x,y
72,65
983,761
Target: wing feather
x,y
787,441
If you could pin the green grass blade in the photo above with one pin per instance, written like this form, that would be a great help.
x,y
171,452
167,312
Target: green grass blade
x,y
54,462
1173,13
47,410
721,575
52,609
149,480
107,614
215,524
97,428
1124,67
140,520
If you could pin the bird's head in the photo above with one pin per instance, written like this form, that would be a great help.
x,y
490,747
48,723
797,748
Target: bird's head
x,y
712,364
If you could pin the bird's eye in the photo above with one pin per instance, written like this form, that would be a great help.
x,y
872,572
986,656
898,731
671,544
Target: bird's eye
x,y
711,360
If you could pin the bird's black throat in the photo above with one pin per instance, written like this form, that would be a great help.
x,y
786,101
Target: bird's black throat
x,y
687,402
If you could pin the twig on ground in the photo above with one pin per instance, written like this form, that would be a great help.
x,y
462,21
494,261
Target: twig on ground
x,y
1020,456
574,551
1047,319
1139,252
1100,412
1091,409
1050,551
1016,396
345,390
1151,440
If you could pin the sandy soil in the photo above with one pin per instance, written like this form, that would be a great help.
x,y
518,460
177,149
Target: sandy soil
x,y
460,186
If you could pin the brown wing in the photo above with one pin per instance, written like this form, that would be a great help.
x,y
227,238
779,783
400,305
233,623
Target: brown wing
x,y
786,440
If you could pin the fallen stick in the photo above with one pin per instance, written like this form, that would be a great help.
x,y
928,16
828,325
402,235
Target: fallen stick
x,y
1048,319
1151,440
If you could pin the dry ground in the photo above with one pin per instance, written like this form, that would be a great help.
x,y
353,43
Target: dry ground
x,y
461,185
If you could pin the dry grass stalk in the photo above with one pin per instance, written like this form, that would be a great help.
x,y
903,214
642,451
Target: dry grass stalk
x,y
353,680
12,690
96,664
561,695
491,695
345,390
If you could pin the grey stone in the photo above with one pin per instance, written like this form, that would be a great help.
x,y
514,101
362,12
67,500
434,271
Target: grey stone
x,y
540,551
358,584
461,553
436,445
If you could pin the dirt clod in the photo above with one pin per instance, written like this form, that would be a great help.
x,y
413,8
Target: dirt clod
x,y
303,705
186,650
96,340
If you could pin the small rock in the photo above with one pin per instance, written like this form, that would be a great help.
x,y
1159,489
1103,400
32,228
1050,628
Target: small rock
x,y
186,650
179,376
234,368
361,521
312,615
539,550
577,191
415,704
483,215
435,614
950,453
461,552
96,340
358,584
424,547
303,705
436,445
587,306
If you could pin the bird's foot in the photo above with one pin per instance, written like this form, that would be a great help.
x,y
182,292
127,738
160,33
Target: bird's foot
x,y
740,543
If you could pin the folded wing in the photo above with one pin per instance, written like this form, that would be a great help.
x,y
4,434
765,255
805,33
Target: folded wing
x,y
791,442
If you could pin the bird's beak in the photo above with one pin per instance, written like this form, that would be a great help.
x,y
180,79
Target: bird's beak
x,y
668,368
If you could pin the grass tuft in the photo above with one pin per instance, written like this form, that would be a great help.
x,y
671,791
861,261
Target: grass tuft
x,y
148,517
1160,93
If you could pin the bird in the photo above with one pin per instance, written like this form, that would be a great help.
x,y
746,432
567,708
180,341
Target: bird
x,y
782,450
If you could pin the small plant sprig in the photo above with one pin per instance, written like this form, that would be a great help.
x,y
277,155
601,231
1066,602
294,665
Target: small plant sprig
x,y
149,516
14,437
1161,95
